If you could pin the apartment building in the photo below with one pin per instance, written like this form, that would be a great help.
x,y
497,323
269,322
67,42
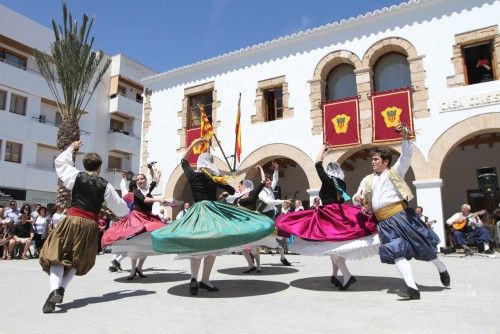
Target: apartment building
x,y
110,125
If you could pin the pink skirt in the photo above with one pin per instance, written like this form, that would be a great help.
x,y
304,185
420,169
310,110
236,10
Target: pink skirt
x,y
133,224
332,222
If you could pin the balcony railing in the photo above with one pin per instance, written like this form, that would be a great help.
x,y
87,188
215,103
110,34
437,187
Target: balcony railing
x,y
44,121
123,132
126,96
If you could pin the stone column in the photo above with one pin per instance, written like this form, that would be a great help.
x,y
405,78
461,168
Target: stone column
x,y
429,198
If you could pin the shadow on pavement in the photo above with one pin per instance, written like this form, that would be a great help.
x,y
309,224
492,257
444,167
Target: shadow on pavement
x,y
232,289
271,270
364,283
77,303
155,278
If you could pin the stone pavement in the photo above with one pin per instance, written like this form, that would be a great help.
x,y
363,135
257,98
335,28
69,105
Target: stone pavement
x,y
296,299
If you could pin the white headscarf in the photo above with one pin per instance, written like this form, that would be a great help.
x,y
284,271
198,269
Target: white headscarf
x,y
206,160
247,187
333,170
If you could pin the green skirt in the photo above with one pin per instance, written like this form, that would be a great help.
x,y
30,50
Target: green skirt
x,y
210,226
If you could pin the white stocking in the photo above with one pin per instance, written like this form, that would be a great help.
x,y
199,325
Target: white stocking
x,y
439,265
195,267
335,268
256,255
56,274
404,268
140,262
282,253
248,257
133,260
67,278
208,263
118,257
340,262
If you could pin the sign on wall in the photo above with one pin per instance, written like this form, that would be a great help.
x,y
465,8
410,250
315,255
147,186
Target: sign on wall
x,y
388,109
341,123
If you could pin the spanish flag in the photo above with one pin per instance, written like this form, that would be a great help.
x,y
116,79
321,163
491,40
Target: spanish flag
x,y
206,131
237,143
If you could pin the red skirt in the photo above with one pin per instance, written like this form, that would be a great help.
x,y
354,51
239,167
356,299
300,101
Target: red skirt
x,y
332,222
133,224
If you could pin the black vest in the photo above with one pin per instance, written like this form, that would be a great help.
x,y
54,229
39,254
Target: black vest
x,y
88,192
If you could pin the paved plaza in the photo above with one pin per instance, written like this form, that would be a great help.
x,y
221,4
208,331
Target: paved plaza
x,y
296,299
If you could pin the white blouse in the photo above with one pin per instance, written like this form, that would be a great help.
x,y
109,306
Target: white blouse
x,y
67,173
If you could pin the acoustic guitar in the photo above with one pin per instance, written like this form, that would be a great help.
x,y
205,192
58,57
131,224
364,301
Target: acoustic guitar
x,y
462,224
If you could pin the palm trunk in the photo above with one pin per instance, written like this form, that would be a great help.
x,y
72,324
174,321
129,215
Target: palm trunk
x,y
68,132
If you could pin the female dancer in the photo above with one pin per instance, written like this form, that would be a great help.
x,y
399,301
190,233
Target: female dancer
x,y
247,197
336,229
130,236
208,228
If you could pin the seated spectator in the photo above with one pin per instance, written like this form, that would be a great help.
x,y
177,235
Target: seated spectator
x,y
41,228
317,202
298,205
419,212
163,217
5,235
23,235
56,217
26,208
466,224
12,212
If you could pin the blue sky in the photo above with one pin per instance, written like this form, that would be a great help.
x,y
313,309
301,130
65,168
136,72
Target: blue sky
x,y
167,34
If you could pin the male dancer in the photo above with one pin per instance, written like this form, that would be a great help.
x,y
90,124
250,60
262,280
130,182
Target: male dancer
x,y
402,234
72,247
267,197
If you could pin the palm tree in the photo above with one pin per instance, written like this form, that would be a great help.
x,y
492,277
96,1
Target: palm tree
x,y
72,71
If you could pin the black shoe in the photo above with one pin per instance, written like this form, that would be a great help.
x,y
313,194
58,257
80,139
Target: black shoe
x,y
335,281
258,271
58,296
445,278
350,281
208,287
489,251
467,252
409,293
139,272
250,270
50,304
193,287
112,269
285,262
116,264
131,276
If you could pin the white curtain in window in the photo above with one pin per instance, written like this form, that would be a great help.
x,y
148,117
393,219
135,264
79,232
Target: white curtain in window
x,y
341,82
391,71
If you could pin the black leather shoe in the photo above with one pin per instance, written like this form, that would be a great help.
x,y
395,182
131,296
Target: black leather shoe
x,y
258,271
445,278
193,287
409,293
335,281
112,269
250,270
139,272
489,251
131,276
285,262
117,265
50,304
208,287
350,281
58,296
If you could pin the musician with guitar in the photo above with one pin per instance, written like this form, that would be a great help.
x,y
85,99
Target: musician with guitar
x,y
466,224
419,212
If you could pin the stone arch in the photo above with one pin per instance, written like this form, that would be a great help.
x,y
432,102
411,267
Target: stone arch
x,y
271,151
318,83
420,94
450,139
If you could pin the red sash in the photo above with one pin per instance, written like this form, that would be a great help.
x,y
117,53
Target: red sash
x,y
82,213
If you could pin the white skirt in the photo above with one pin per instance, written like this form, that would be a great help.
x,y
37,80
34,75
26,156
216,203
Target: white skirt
x,y
138,246
351,249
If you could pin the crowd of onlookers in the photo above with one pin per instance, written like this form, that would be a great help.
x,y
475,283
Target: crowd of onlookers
x,y
23,230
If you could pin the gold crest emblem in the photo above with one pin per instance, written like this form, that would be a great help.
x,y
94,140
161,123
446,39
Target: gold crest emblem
x,y
391,116
341,123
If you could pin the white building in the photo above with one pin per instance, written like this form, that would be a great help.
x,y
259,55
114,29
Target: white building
x,y
111,124
434,47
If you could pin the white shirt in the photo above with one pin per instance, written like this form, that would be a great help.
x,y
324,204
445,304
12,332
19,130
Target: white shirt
x,y
13,215
68,173
384,192
267,195
41,226
180,214
56,219
471,220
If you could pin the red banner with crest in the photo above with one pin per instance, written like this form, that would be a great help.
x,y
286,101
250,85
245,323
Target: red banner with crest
x,y
192,135
388,109
341,123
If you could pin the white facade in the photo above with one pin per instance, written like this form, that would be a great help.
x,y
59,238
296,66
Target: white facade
x,y
33,178
428,28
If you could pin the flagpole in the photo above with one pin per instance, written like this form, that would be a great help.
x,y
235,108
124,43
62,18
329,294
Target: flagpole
x,y
222,151
236,139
